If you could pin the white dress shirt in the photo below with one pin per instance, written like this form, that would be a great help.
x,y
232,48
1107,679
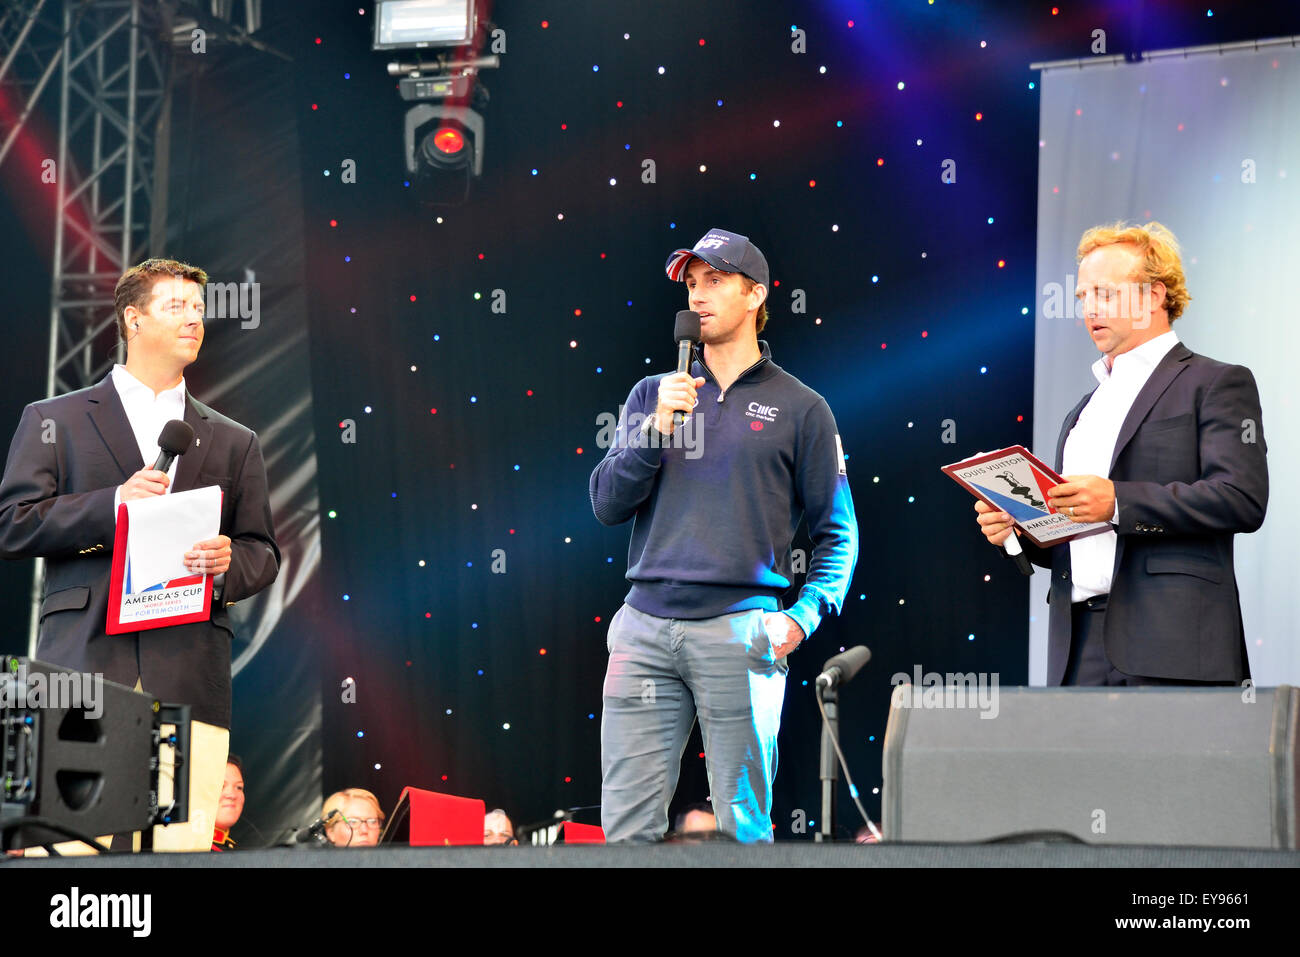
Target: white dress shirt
x,y
1091,444
148,414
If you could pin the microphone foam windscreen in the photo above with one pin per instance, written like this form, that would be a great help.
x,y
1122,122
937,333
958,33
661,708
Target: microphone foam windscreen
x,y
849,662
687,326
176,437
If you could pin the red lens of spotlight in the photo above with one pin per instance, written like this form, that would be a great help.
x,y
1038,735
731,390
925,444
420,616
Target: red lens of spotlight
x,y
449,140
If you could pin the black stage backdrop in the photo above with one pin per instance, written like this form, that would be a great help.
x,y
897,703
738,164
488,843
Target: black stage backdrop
x,y
236,208
457,545
487,683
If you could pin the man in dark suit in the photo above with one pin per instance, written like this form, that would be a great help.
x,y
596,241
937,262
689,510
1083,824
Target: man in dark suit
x,y
75,457
1170,450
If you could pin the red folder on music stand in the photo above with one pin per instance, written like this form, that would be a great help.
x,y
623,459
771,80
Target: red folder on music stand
x,y
575,833
429,819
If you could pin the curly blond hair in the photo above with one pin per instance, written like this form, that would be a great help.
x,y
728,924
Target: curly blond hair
x,y
1161,261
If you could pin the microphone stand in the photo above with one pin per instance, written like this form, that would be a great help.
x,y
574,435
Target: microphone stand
x,y
526,831
829,772
832,758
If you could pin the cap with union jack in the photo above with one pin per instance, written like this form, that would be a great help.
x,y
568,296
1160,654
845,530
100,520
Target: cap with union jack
x,y
724,250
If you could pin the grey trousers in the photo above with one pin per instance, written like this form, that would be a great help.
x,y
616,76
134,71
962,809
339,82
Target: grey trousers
x,y
661,673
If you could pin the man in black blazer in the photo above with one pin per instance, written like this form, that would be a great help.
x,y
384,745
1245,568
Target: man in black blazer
x,y
1170,450
75,457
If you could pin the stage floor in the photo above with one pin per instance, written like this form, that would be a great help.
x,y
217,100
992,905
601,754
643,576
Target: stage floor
x,y
712,854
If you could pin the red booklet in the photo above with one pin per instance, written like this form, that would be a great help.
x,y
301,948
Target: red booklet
x,y
155,590
1012,480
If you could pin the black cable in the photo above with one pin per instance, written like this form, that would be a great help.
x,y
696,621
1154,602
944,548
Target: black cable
x,y
853,789
58,828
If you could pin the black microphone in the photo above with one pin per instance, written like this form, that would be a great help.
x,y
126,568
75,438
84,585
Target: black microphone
x,y
841,669
1012,548
173,440
686,330
566,814
314,833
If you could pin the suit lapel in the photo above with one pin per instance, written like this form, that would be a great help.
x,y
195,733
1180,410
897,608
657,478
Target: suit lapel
x,y
187,472
1161,378
1070,419
114,428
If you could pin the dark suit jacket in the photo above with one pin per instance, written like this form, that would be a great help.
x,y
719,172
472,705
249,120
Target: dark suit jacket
x,y
1190,470
67,458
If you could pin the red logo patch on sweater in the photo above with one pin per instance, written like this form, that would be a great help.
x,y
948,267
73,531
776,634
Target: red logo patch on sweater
x,y
756,426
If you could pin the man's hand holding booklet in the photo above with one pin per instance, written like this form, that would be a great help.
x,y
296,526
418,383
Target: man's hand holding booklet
x,y
1013,482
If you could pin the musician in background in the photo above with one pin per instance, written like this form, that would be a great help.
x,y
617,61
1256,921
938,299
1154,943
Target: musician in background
x,y
232,804
353,818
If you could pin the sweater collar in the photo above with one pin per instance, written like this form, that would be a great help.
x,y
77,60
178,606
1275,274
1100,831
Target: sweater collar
x,y
762,369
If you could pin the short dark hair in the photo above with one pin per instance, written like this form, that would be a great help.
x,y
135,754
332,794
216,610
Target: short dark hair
x,y
234,759
761,319
136,284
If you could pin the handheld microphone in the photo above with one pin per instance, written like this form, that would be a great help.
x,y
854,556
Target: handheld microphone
x,y
1012,545
841,669
686,330
1013,549
174,439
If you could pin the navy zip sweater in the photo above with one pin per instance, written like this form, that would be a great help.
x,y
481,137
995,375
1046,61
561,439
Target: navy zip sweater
x,y
715,506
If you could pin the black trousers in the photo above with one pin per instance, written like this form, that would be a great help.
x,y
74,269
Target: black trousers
x,y
1089,666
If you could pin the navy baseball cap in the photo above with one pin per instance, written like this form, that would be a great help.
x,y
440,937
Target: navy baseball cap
x,y
723,250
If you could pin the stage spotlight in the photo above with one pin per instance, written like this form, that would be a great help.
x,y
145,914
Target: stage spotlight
x,y
444,151
445,148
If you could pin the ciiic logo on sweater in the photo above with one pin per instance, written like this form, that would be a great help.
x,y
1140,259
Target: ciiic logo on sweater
x,y
765,412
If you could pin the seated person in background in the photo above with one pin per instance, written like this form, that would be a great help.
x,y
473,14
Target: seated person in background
x,y
498,828
231,806
864,836
352,818
696,819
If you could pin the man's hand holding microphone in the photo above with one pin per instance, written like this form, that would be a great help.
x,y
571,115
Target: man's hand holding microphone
x,y
208,557
677,393
996,525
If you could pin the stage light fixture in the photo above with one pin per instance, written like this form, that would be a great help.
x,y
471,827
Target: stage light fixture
x,y
444,151
423,24
449,143
443,131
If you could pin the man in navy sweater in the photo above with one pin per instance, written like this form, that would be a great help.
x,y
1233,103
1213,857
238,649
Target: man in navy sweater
x,y
715,504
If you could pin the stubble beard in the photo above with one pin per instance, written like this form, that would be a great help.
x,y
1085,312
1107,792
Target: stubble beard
x,y
719,337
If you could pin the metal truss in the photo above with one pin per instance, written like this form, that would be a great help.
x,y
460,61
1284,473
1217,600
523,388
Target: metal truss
x,y
110,63
107,59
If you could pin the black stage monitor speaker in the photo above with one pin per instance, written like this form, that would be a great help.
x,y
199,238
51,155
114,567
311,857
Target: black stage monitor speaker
x,y
74,749
1212,767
